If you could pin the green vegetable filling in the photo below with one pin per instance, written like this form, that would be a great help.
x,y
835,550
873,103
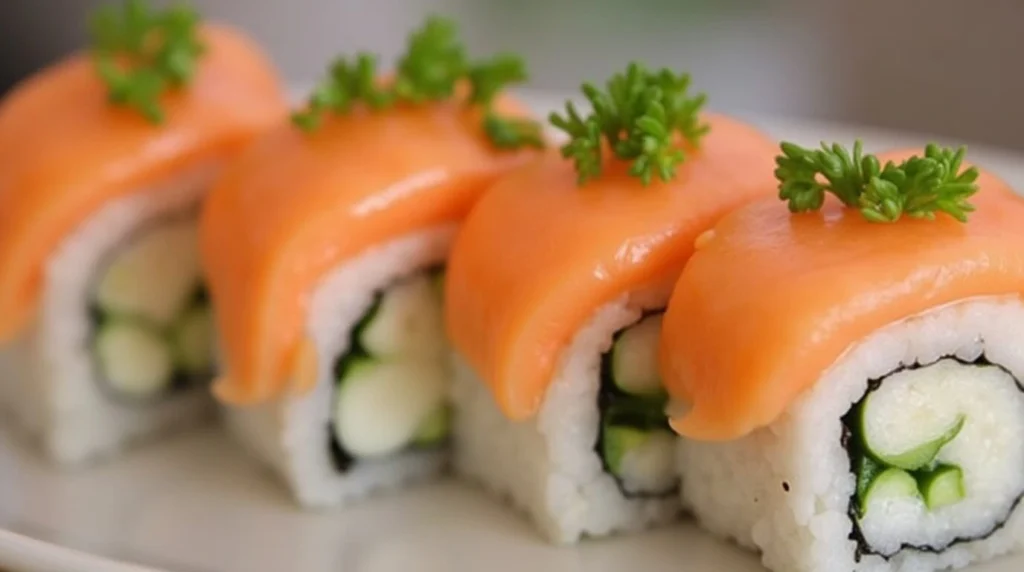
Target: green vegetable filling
x,y
888,483
921,456
187,341
942,486
435,429
629,418
912,473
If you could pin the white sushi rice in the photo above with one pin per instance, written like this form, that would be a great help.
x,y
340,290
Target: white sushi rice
x,y
47,376
291,434
785,489
547,466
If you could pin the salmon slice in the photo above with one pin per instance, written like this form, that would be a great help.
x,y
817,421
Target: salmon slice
x,y
65,151
296,205
538,254
772,298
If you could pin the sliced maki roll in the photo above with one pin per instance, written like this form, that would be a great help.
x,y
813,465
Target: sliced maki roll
x,y
553,298
107,157
846,372
324,256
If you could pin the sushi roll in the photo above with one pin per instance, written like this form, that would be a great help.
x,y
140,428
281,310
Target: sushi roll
x,y
846,373
325,247
104,158
554,296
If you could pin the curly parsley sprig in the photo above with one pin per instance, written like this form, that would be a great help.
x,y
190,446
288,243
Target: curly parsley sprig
x,y
487,79
918,187
430,70
348,82
433,63
140,53
644,117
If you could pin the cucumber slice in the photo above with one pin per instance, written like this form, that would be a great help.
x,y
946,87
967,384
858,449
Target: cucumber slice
x,y
133,358
635,358
153,276
380,406
408,323
888,484
619,440
866,470
643,460
192,339
910,459
906,420
434,430
942,486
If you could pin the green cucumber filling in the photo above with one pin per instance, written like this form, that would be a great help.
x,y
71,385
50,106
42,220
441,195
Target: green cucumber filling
x,y
391,384
933,448
942,486
635,443
152,331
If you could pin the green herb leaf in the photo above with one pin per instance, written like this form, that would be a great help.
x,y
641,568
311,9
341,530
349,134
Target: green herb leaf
x,y
140,53
431,69
182,49
140,89
512,133
487,79
584,146
434,61
645,117
918,187
347,83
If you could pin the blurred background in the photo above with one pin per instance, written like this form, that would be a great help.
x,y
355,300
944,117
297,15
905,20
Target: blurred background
x,y
947,67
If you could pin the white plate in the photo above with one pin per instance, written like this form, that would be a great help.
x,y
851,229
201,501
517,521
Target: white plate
x,y
195,504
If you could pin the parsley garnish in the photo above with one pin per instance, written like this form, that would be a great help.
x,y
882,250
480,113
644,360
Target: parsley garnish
x,y
434,64
917,187
644,117
141,53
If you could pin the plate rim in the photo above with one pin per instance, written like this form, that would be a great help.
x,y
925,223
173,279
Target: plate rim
x,y
21,552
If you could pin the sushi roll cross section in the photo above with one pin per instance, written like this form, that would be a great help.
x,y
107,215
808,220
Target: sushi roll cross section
x,y
634,440
846,373
152,324
554,295
105,157
392,382
325,248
